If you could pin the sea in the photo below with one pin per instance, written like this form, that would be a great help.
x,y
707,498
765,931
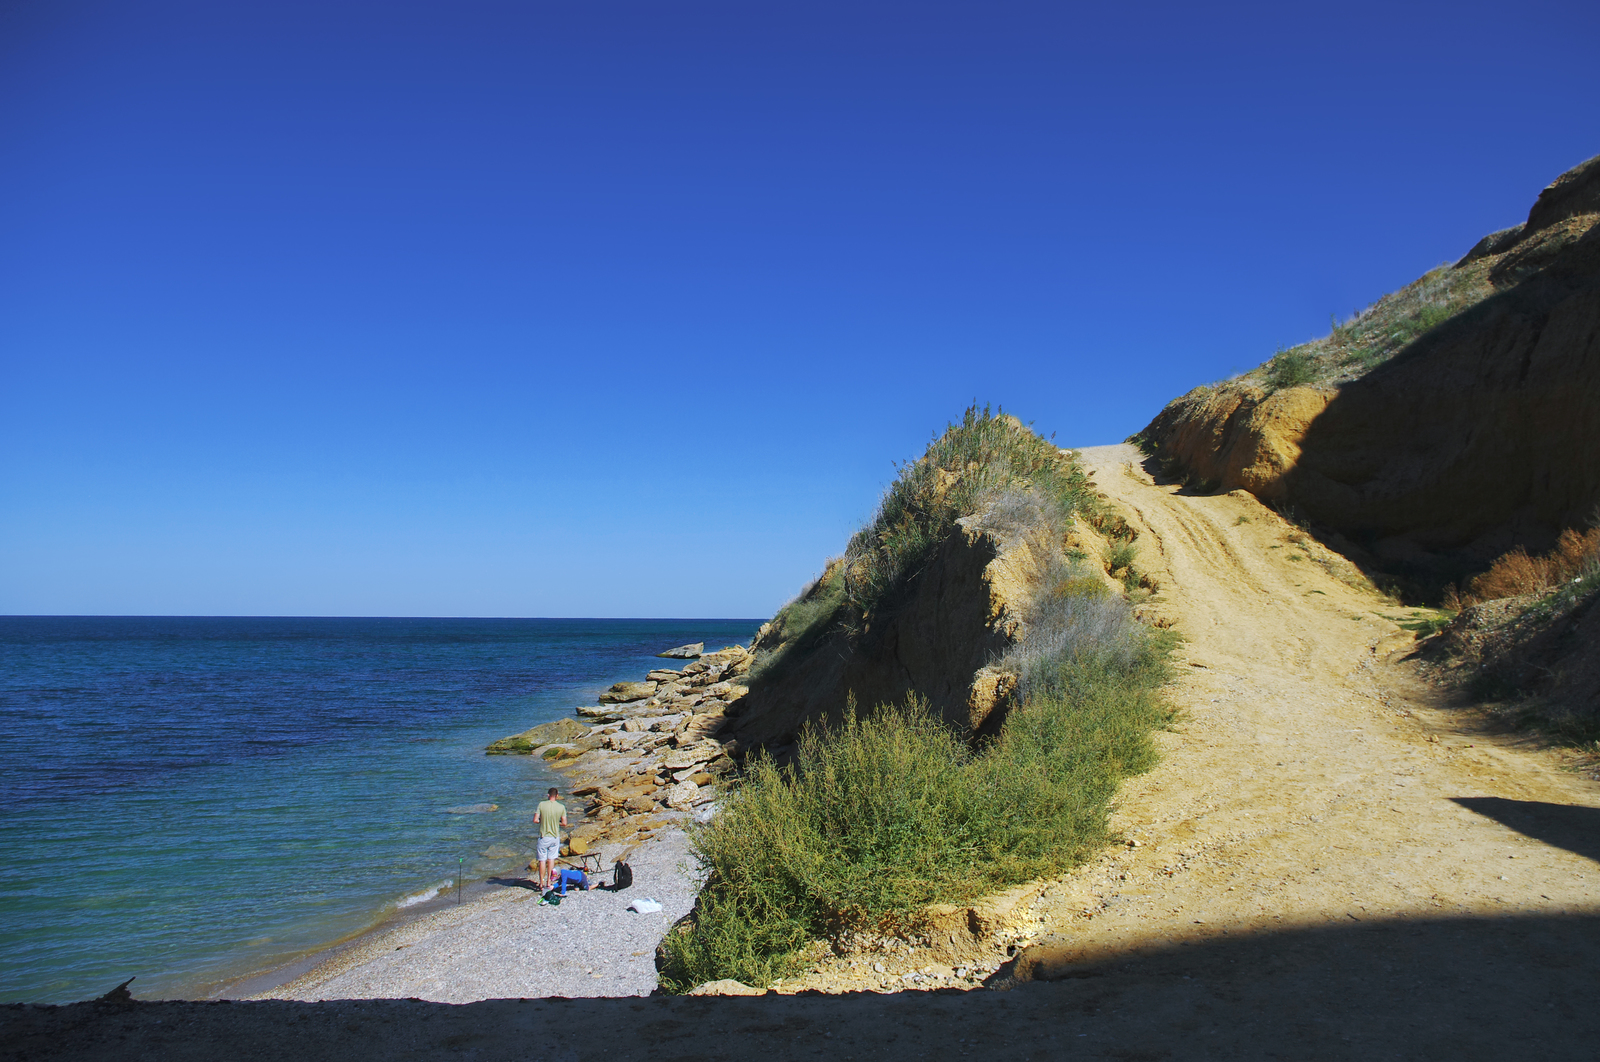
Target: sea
x,y
190,801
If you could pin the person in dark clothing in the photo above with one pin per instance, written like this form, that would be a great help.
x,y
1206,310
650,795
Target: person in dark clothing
x,y
568,876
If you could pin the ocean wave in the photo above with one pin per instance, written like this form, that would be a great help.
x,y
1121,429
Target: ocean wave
x,y
425,895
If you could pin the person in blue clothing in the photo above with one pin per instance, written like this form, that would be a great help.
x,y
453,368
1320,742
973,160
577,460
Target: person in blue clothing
x,y
568,876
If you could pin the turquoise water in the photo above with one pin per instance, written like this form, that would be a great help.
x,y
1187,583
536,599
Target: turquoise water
x,y
190,800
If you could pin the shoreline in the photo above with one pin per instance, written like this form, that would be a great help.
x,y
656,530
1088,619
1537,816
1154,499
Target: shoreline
x,y
639,766
504,944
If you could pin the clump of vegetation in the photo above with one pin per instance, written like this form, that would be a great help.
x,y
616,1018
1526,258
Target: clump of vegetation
x,y
989,464
1428,623
885,814
1290,368
988,459
1372,336
1521,639
802,623
890,811
1517,573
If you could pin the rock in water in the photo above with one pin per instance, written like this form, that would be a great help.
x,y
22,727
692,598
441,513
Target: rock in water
x,y
623,692
685,652
472,809
543,734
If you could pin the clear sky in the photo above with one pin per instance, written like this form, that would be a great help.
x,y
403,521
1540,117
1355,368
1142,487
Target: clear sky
x,y
626,308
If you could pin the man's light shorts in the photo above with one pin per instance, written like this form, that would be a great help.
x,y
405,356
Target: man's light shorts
x,y
549,848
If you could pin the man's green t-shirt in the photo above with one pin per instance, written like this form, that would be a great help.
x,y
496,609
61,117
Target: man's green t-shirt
x,y
550,814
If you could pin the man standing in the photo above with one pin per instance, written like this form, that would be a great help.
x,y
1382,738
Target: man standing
x,y
552,816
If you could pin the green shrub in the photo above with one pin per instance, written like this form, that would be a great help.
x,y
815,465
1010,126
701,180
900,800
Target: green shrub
x,y
1424,319
1122,554
802,622
985,459
885,814
1290,368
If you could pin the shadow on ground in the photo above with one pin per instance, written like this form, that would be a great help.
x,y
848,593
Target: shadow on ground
x,y
1570,826
1452,988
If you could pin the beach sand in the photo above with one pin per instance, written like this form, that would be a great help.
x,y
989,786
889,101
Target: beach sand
x,y
507,945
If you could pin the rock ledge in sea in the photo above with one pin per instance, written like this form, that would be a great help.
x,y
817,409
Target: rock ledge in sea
x,y
685,652
543,734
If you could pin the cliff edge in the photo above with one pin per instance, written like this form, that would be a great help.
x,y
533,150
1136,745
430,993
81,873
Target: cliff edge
x,y
1448,423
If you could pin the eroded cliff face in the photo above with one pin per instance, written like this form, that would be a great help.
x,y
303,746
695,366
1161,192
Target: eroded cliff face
x,y
1480,435
963,612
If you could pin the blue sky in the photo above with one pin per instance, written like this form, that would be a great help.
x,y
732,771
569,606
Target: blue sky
x,y
626,309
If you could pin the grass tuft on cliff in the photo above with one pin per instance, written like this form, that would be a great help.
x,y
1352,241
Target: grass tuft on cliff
x,y
987,460
888,813
1370,337
988,463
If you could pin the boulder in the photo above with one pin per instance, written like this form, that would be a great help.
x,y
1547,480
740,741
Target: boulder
x,y
662,674
584,839
639,803
472,809
623,692
700,727
618,712
726,987
541,735
685,652
681,797
691,755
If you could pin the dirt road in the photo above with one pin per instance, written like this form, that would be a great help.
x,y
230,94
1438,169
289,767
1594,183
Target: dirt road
x,y
1324,867
1309,782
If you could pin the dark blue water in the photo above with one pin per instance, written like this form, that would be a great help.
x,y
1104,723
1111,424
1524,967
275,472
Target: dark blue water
x,y
192,799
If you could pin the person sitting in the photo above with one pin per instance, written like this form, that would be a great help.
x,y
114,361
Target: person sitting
x,y
568,876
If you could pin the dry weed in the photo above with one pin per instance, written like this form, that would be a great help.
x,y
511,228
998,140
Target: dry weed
x,y
1517,572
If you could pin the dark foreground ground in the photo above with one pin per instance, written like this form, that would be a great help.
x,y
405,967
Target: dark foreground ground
x,y
1504,988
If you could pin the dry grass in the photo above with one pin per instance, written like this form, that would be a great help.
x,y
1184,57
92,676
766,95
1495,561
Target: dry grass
x,y
1370,337
1518,573
987,463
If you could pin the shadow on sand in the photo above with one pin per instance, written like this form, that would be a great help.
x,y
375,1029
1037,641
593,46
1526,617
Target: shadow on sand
x,y
1571,826
1450,988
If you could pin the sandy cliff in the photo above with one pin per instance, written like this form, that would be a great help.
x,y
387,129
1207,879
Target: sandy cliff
x,y
1476,436
963,612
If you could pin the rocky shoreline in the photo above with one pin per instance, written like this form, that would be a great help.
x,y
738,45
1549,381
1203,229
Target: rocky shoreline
x,y
648,754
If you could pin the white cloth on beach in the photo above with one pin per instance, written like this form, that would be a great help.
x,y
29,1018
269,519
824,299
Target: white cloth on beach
x,y
645,905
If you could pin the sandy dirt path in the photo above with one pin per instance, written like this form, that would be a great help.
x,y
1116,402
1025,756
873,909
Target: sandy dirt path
x,y
1325,867
1308,782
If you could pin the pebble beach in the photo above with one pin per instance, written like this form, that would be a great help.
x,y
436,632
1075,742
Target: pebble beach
x,y
641,765
507,945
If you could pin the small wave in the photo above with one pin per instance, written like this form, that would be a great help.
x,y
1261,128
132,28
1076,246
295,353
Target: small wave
x,y
424,896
